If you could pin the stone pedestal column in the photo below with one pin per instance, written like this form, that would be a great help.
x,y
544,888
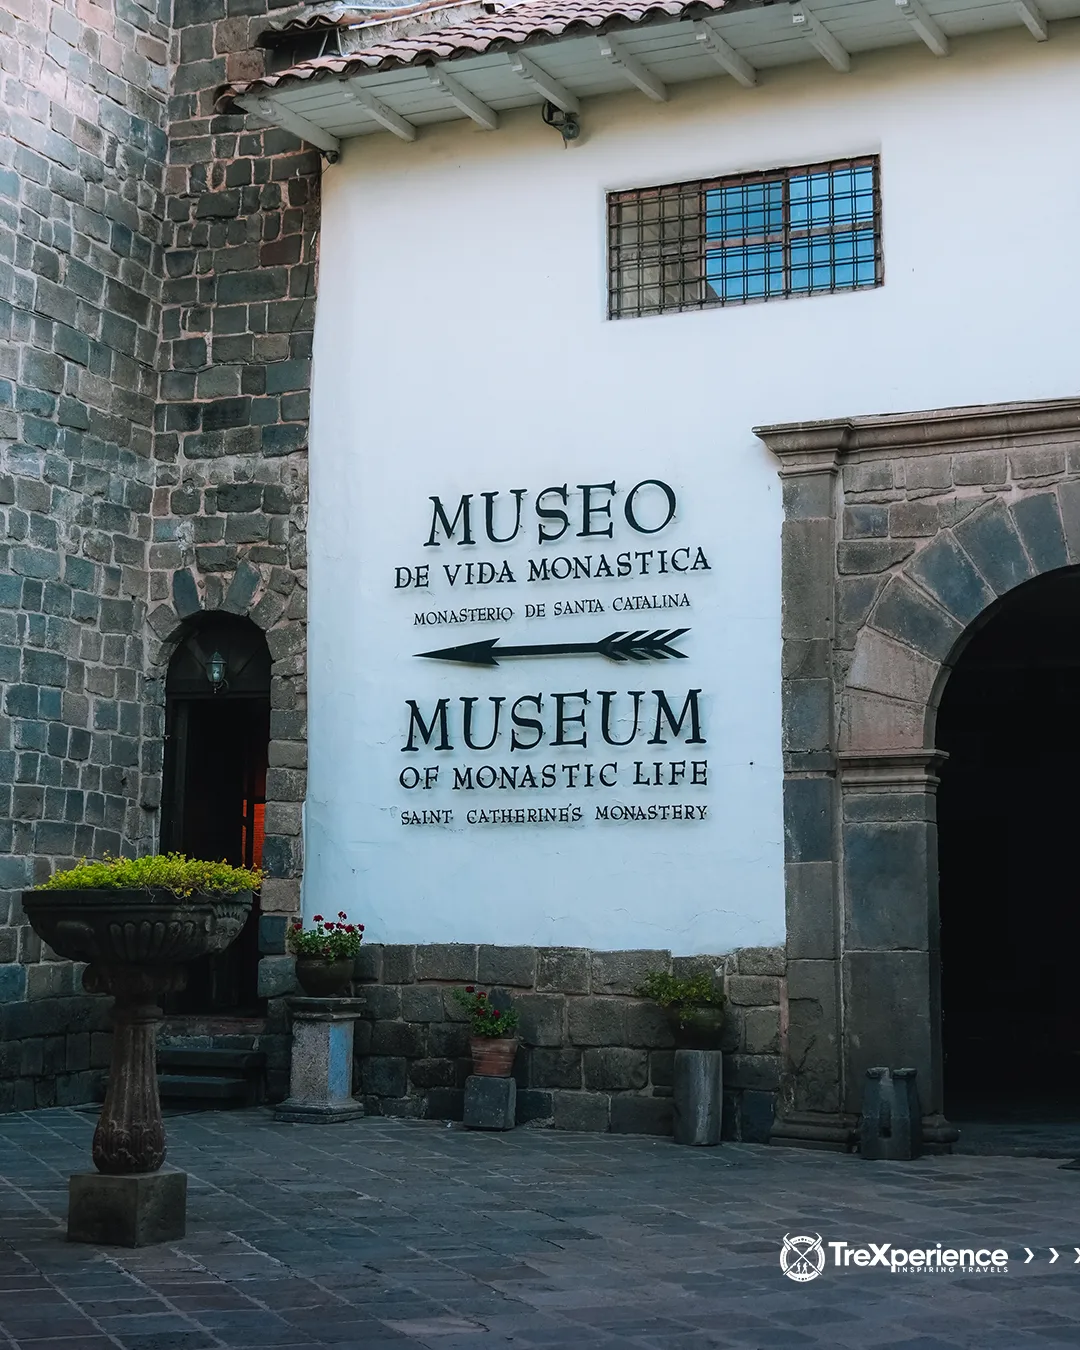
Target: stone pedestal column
x,y
130,1135
699,1096
129,1201
320,1083
891,960
811,1109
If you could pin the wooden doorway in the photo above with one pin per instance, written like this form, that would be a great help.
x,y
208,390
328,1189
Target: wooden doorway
x,y
217,733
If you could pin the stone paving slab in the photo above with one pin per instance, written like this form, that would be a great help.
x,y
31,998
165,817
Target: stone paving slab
x,y
384,1235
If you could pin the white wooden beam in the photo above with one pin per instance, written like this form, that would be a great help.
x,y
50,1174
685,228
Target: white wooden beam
x,y
1033,18
926,27
614,52
544,84
725,55
469,104
820,38
385,116
279,116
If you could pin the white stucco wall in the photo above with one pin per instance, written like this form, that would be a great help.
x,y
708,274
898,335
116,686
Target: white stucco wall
x,y
462,347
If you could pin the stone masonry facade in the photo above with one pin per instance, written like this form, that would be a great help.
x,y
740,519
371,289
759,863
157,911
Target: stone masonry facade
x,y
157,281
593,1055
901,534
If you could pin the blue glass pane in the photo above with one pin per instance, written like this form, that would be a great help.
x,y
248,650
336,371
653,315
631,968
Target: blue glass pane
x,y
745,273
750,209
835,261
842,197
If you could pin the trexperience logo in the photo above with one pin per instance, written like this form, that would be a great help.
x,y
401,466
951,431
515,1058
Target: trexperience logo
x,y
803,1258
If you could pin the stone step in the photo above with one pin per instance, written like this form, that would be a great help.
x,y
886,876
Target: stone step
x,y
203,1086
218,1061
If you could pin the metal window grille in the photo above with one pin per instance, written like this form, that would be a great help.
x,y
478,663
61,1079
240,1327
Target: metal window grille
x,y
810,230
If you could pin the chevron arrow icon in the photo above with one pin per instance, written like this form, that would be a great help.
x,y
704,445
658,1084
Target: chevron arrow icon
x,y
1030,1254
1055,1255
639,646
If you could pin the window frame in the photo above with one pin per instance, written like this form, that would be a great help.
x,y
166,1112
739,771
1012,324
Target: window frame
x,y
690,247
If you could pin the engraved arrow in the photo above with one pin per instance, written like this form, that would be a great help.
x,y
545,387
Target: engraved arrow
x,y
639,646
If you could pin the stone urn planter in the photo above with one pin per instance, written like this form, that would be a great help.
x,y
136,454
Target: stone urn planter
x,y
697,1028
319,978
493,1056
136,944
698,1075
694,1005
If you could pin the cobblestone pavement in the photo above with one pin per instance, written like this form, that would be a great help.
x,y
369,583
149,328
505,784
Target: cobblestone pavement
x,y
379,1234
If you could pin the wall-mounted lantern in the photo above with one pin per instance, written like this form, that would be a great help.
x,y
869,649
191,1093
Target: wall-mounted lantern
x,y
215,671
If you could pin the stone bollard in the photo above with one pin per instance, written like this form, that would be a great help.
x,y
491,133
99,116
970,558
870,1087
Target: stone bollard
x,y
490,1102
320,1080
891,1126
699,1096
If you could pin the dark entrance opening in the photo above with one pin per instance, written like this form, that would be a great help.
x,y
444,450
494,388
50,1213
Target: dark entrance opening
x,y
217,734
1007,813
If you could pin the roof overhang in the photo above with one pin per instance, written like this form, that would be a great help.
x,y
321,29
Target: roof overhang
x,y
482,70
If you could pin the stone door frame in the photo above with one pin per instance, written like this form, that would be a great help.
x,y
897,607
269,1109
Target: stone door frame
x,y
900,536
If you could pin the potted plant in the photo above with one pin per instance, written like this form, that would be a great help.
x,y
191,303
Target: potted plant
x,y
694,1004
325,954
137,922
492,1045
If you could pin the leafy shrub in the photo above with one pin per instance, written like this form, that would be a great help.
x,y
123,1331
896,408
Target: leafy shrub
x,y
485,1018
171,872
670,991
327,941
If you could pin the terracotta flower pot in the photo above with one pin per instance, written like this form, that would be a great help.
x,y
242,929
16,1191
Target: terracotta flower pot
x,y
136,944
319,978
493,1056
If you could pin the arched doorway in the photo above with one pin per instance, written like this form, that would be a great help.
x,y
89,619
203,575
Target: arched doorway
x,y
1007,810
217,732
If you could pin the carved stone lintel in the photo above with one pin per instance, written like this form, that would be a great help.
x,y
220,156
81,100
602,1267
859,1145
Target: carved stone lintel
x,y
130,1135
801,445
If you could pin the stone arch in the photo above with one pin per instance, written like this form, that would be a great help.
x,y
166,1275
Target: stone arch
x,y
901,535
272,598
928,612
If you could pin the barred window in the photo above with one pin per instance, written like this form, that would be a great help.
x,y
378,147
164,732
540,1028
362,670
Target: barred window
x,y
761,236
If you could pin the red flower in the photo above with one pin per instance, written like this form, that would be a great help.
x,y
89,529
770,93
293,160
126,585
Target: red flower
x,y
318,918
297,923
494,1012
481,996
359,927
470,989
341,914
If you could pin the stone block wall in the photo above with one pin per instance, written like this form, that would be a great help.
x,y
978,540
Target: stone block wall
x,y
156,304
229,506
83,142
54,1048
594,1056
